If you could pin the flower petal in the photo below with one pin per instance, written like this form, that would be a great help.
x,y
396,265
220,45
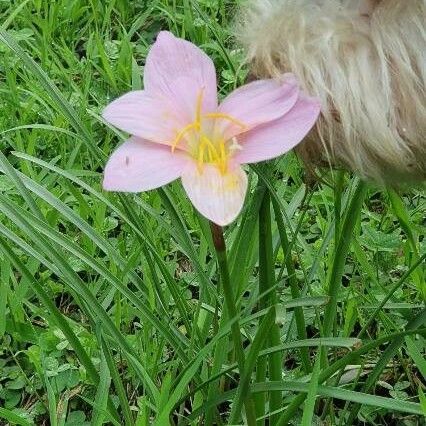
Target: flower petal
x,y
276,138
218,197
257,103
184,96
149,117
171,58
138,165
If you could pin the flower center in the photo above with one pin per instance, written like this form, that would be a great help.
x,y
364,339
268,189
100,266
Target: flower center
x,y
206,142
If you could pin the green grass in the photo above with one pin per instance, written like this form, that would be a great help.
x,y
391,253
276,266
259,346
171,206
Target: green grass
x,y
112,306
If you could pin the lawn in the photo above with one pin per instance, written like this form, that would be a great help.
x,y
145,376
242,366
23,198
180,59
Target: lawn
x,y
122,309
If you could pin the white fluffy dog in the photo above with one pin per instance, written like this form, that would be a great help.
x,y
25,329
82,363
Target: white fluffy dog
x,y
366,60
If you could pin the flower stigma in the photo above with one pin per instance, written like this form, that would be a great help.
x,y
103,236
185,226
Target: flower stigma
x,y
205,143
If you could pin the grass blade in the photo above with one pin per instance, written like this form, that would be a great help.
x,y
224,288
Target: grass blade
x,y
308,411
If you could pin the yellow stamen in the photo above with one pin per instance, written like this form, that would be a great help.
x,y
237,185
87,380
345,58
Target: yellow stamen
x,y
199,105
209,148
195,125
201,156
222,162
183,132
209,144
206,146
211,154
215,115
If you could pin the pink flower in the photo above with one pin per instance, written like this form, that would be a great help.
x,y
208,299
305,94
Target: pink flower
x,y
179,130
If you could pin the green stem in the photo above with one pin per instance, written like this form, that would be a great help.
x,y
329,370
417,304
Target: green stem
x,y
262,334
294,288
266,281
220,247
341,253
262,363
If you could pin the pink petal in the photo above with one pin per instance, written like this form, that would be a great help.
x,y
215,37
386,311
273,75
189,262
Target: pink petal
x,y
183,96
138,165
257,103
141,114
172,58
218,197
280,136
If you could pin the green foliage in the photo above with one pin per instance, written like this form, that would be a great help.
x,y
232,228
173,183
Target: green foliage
x,y
111,311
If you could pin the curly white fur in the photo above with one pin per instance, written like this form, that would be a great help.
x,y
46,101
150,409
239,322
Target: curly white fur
x,y
366,60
